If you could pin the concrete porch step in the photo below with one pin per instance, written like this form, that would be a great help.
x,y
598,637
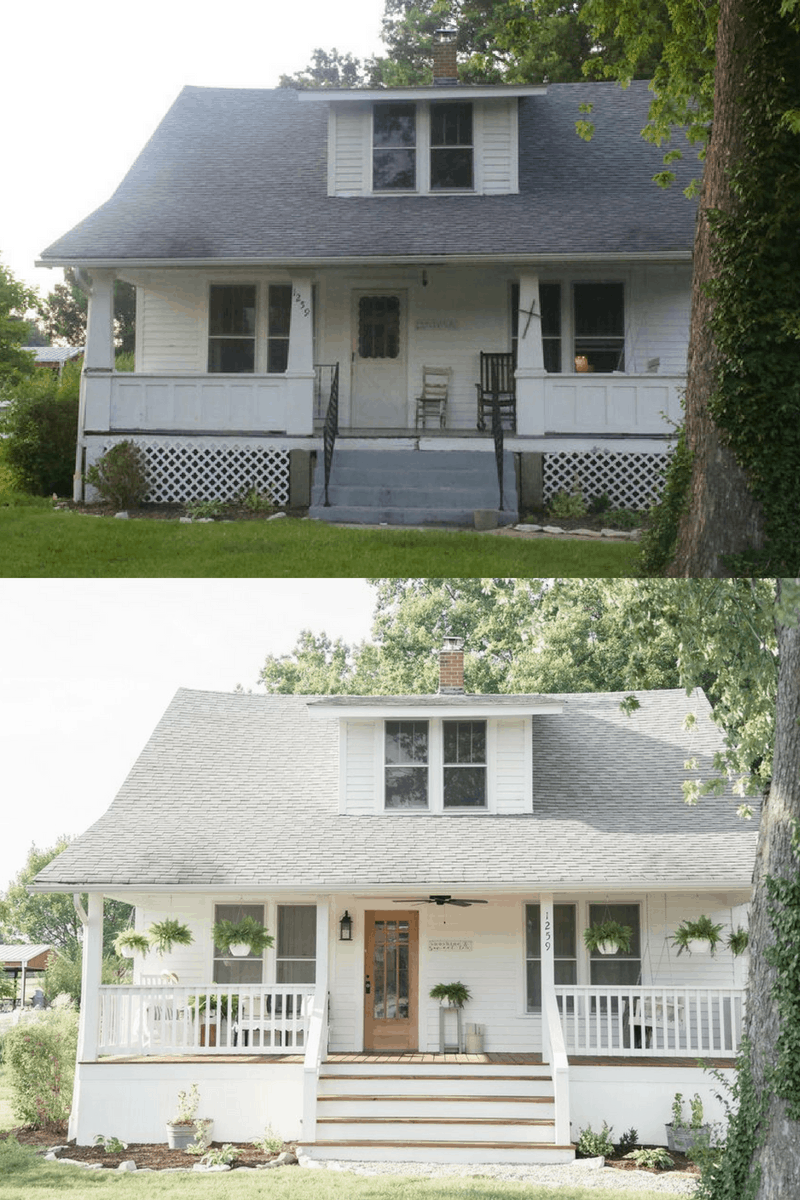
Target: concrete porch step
x,y
413,487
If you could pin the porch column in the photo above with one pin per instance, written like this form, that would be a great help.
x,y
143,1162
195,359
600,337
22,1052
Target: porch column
x,y
92,978
300,368
548,964
317,1044
94,411
530,359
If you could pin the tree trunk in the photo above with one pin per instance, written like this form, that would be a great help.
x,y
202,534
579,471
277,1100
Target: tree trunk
x,y
779,1157
722,517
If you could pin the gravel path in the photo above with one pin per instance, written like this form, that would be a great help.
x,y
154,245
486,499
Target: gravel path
x,y
586,1173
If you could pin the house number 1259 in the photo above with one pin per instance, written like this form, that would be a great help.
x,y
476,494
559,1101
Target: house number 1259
x,y
300,302
548,930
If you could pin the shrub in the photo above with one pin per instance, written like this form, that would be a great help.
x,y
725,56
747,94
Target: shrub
x,y
41,428
203,510
270,1143
654,1159
40,1057
63,975
591,1144
568,504
628,1141
120,475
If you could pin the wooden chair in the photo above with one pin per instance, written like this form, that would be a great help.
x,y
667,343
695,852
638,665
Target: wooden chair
x,y
497,383
433,398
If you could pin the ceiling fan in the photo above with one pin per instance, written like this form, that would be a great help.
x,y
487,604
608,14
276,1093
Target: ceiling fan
x,y
440,900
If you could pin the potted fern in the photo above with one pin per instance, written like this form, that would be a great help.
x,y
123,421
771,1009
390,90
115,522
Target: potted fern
x,y
698,937
451,995
738,941
243,937
130,942
608,937
168,933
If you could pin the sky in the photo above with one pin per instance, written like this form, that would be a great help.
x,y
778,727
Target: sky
x,y
88,667
84,85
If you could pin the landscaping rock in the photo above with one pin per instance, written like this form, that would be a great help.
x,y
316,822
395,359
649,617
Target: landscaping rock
x,y
216,1167
121,516
552,529
128,1165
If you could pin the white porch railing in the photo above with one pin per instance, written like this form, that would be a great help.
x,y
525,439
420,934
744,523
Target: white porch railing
x,y
652,1021
605,404
222,403
554,1052
209,1019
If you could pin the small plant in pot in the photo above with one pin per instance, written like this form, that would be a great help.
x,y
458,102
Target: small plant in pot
x,y
608,937
130,942
683,1136
241,937
451,995
185,1128
698,937
168,933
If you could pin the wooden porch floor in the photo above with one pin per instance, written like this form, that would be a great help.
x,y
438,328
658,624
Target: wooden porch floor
x,y
410,1058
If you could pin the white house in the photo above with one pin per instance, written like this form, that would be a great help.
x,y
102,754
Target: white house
x,y
308,259
390,844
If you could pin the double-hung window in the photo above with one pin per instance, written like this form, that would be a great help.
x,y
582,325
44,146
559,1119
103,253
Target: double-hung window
x,y
451,147
600,325
296,944
406,764
625,967
565,952
227,969
232,328
394,147
464,764
279,319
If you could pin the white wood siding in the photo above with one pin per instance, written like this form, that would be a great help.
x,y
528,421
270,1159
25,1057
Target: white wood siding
x,y
349,150
658,304
361,780
171,325
513,784
496,134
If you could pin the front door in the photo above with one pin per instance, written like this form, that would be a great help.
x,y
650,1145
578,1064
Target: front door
x,y
379,384
390,981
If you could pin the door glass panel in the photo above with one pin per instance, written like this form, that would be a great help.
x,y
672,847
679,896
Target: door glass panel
x,y
391,970
379,326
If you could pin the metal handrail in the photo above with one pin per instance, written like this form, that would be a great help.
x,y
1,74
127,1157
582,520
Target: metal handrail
x,y
331,428
497,434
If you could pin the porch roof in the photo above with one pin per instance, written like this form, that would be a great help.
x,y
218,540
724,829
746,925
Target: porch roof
x,y
239,175
239,791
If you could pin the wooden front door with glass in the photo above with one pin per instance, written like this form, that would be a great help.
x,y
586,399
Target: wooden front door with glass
x,y
391,1019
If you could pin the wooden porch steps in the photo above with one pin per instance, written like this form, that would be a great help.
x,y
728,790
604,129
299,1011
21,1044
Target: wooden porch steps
x,y
435,1111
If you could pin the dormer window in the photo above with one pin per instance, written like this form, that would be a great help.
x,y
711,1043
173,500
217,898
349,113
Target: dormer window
x,y
406,759
451,147
394,140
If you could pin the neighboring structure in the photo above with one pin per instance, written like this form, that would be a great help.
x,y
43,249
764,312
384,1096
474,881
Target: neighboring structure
x,y
390,844
301,258
53,358
25,965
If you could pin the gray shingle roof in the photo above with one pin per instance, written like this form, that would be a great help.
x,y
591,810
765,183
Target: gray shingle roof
x,y
242,791
241,174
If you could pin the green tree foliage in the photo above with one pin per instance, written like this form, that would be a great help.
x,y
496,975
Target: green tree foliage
x,y
329,68
41,427
567,635
40,1058
64,312
50,918
15,300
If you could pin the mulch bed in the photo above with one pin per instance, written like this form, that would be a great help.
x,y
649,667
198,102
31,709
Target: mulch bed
x,y
171,512
157,1156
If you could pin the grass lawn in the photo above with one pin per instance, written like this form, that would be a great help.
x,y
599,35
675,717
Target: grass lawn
x,y
22,1173
36,540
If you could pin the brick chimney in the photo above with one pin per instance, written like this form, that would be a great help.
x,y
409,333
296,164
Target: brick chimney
x,y
451,667
445,65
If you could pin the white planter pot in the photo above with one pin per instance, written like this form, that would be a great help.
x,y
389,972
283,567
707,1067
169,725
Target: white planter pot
x,y
127,951
607,947
698,946
239,949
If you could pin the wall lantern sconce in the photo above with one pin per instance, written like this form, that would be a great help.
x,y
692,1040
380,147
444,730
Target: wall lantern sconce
x,y
346,928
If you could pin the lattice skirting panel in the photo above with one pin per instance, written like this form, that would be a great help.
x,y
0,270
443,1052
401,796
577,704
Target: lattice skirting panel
x,y
180,470
629,480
